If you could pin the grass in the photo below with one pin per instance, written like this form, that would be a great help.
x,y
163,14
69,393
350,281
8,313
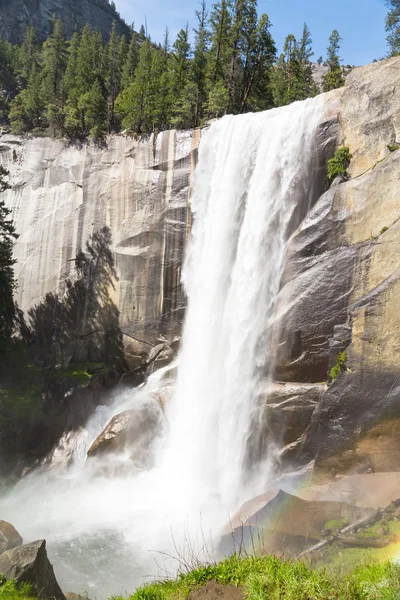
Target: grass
x,y
10,590
339,163
269,578
374,532
340,362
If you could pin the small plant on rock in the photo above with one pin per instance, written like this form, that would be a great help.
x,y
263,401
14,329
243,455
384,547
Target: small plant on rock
x,y
339,365
384,229
339,163
393,147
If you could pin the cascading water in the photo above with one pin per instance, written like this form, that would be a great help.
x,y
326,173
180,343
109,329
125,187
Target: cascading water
x,y
105,530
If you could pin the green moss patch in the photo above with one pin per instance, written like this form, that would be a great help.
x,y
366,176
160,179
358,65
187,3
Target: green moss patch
x,y
339,365
336,525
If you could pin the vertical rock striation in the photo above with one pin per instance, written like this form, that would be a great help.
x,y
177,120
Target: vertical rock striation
x,y
61,194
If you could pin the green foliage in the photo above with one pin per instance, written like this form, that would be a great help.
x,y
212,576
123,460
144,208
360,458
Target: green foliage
x,y
340,362
339,163
292,77
334,77
383,230
336,525
10,590
393,27
270,578
83,87
7,279
393,147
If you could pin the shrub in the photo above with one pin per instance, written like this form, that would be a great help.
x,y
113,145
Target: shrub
x,y
10,590
339,163
384,229
393,147
341,360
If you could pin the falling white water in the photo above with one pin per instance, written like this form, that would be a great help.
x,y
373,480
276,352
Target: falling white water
x,y
105,528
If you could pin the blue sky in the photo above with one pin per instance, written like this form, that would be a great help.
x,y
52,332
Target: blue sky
x,y
360,22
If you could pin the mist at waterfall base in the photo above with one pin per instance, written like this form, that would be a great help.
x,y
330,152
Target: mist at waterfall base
x,y
110,527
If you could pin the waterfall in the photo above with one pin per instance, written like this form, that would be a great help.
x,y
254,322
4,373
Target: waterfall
x,y
253,171
104,531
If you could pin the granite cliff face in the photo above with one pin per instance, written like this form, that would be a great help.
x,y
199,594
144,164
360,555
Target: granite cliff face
x,y
138,189
17,15
340,290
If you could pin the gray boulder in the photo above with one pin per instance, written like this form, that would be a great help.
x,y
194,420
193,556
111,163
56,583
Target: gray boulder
x,y
133,431
30,564
9,537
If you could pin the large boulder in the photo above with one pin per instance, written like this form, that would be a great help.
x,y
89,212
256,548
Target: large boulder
x,y
9,537
281,522
30,564
132,431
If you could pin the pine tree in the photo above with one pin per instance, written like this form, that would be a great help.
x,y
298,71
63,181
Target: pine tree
x,y
85,79
113,73
94,107
8,78
131,61
180,62
27,109
7,279
28,56
198,70
392,26
220,37
259,53
160,87
133,104
334,77
284,73
54,62
306,86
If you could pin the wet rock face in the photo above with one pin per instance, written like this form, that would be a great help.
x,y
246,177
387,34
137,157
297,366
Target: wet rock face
x,y
341,289
133,432
17,15
29,564
9,537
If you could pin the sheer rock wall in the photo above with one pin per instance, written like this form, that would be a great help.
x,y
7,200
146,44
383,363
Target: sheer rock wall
x,y
342,289
61,194
17,15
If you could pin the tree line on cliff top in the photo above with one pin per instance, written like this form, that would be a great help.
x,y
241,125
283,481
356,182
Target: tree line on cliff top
x,y
82,86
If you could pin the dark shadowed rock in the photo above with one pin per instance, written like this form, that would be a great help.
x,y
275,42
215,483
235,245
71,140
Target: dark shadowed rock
x,y
30,564
9,537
